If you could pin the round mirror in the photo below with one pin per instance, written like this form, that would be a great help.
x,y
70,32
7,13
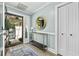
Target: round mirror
x,y
41,23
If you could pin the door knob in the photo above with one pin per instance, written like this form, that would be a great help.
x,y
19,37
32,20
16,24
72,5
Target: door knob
x,y
70,34
61,33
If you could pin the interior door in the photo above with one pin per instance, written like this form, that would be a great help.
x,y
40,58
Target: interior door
x,y
68,25
72,33
62,16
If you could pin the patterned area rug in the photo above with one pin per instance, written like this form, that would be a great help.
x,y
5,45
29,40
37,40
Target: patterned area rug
x,y
24,52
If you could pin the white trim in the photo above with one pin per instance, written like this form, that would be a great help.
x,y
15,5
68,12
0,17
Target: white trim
x,y
56,29
3,29
41,7
52,50
39,32
64,3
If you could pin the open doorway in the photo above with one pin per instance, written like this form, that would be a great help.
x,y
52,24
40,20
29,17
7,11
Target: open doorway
x,y
14,29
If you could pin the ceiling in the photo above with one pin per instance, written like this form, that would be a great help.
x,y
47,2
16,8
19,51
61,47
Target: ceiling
x,y
30,7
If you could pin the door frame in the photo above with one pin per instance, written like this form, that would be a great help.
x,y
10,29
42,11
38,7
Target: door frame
x,y
57,24
6,13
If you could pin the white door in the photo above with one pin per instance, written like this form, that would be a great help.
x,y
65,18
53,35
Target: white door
x,y
62,17
68,25
72,32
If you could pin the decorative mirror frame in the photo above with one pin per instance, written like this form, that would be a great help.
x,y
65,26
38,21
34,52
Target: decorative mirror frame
x,y
41,23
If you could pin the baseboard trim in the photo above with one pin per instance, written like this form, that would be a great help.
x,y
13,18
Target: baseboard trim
x,y
52,50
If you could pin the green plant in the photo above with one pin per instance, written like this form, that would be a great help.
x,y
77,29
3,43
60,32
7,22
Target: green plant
x,y
8,25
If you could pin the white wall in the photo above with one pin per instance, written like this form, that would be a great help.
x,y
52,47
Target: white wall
x,y
1,24
26,20
49,13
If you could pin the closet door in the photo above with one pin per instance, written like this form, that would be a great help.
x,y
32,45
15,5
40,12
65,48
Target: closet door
x,y
68,25
72,32
62,17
